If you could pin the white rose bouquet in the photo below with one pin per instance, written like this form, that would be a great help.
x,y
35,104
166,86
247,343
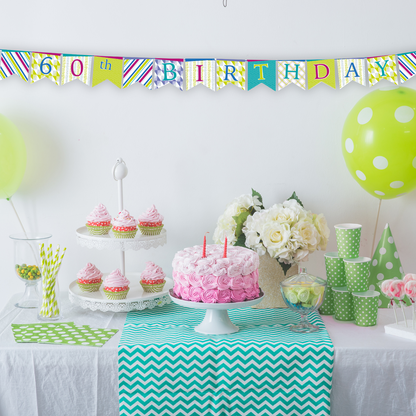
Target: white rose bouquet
x,y
286,231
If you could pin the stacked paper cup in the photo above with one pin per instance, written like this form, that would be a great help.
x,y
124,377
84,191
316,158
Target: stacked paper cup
x,y
348,297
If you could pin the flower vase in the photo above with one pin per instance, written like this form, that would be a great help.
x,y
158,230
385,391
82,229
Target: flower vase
x,y
270,276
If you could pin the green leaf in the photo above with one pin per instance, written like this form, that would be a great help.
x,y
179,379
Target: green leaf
x,y
285,266
295,197
241,240
255,193
240,220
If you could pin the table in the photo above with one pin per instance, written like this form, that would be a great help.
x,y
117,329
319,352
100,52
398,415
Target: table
x,y
374,373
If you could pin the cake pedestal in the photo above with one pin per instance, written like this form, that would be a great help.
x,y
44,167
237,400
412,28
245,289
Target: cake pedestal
x,y
216,320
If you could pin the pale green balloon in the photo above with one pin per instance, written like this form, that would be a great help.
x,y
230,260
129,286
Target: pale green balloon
x,y
12,158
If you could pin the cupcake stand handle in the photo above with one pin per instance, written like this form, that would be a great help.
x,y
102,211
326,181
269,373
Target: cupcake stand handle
x,y
119,173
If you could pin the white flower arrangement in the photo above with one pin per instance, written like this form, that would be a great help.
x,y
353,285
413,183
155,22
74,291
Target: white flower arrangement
x,y
286,231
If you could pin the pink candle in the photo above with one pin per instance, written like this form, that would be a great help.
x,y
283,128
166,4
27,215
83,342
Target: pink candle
x,y
225,248
204,247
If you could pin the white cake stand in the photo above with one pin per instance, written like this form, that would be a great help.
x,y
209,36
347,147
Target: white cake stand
x,y
216,320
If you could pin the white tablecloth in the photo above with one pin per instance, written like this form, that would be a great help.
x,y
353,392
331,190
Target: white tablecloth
x,y
374,373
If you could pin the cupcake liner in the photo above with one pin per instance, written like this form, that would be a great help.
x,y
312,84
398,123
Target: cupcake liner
x,y
327,307
366,308
116,295
89,287
152,288
335,270
343,304
124,234
150,230
98,230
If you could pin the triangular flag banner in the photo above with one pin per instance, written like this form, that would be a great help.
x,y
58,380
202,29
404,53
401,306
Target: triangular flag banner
x,y
76,67
107,68
291,72
46,65
138,70
261,72
351,70
321,71
231,72
169,71
407,66
385,264
382,67
15,62
200,71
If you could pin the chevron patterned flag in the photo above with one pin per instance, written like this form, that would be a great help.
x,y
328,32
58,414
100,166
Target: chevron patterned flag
x,y
46,65
168,71
382,67
291,72
138,70
407,65
200,71
76,67
261,72
14,62
351,70
231,72
166,368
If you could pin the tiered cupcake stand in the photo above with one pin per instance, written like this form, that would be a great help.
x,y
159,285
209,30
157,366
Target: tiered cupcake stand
x,y
136,299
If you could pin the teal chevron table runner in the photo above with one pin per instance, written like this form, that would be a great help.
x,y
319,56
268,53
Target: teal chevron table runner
x,y
166,368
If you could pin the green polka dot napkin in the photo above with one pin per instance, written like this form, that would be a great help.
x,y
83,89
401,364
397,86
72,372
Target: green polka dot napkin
x,y
348,240
335,271
358,274
344,308
366,308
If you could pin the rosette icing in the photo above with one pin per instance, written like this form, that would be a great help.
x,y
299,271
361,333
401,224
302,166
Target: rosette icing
x,y
124,219
116,279
89,274
151,216
209,296
152,272
99,214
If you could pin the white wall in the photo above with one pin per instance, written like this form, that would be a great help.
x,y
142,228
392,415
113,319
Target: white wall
x,y
191,152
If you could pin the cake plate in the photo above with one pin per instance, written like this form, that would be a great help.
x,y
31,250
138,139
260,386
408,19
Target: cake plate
x,y
136,299
216,320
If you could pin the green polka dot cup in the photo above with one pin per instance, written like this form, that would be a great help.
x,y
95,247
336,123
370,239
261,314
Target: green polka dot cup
x,y
365,308
348,240
343,304
327,306
357,272
335,271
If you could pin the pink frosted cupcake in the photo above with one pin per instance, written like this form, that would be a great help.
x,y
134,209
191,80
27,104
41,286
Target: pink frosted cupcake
x,y
124,226
99,221
89,278
150,223
152,278
116,286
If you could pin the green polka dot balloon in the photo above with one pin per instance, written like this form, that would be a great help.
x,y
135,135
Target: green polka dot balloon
x,y
378,142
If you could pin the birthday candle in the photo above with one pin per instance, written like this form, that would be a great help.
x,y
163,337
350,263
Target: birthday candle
x,y
204,247
225,248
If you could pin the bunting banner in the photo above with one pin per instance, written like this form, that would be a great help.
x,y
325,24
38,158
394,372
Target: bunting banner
x,y
382,67
231,72
407,65
76,67
291,72
200,71
15,62
322,70
107,68
261,72
168,71
351,70
138,70
45,65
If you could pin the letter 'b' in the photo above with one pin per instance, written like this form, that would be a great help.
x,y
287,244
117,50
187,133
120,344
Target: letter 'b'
x,y
171,71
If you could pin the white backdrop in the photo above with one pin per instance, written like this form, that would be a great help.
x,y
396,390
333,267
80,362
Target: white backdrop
x,y
190,153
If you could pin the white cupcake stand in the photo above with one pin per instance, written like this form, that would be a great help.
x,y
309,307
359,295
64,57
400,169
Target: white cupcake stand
x,y
136,299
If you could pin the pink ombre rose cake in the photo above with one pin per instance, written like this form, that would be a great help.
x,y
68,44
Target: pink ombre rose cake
x,y
116,286
89,278
99,221
150,223
215,279
152,278
124,226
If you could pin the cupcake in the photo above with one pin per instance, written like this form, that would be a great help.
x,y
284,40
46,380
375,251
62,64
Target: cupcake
x,y
89,278
152,278
99,221
116,286
124,226
150,223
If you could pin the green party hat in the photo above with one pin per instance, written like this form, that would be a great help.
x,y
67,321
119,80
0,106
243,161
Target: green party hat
x,y
385,264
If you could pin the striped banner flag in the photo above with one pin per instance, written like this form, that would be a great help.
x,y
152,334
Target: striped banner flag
x,y
200,71
76,67
407,66
138,70
350,70
15,62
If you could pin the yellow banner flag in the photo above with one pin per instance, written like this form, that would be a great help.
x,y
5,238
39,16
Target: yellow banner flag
x,y
107,67
321,71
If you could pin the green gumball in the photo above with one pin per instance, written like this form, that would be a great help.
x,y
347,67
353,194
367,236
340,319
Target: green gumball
x,y
379,142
